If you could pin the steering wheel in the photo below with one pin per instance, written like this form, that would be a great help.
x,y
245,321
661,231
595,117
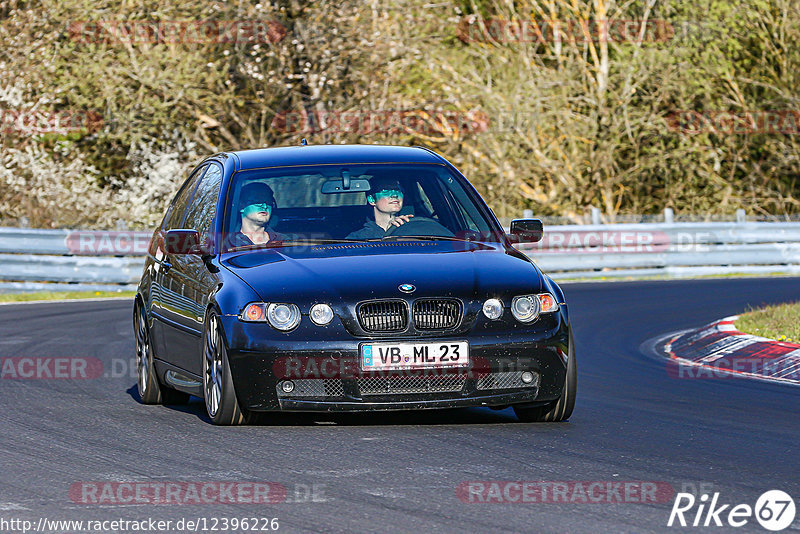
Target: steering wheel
x,y
420,226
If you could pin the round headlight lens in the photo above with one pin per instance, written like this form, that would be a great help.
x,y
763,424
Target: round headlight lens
x,y
493,309
283,316
321,314
526,308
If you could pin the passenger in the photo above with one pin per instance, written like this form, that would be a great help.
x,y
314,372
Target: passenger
x,y
386,198
256,204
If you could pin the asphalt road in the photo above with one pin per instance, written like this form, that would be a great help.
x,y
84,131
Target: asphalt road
x,y
399,472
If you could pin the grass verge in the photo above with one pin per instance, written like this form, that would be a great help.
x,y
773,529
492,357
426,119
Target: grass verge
x,y
62,295
781,322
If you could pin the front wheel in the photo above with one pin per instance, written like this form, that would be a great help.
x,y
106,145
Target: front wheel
x,y
561,409
218,391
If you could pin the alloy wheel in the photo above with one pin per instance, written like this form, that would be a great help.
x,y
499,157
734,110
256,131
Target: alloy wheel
x,y
212,370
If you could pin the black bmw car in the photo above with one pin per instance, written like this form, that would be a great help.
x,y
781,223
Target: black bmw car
x,y
341,278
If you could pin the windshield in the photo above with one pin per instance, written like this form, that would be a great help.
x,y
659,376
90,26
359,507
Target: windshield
x,y
344,203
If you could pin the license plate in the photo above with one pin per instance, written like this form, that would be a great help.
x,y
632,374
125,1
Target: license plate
x,y
391,356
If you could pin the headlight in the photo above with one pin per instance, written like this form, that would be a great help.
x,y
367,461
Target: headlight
x,y
283,316
547,302
525,308
493,309
254,312
321,314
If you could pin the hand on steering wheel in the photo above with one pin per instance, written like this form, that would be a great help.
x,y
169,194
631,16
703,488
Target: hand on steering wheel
x,y
400,220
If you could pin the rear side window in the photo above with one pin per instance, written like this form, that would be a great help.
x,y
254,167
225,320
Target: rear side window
x,y
177,209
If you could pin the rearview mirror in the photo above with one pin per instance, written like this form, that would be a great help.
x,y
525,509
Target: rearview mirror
x,y
357,185
527,230
182,242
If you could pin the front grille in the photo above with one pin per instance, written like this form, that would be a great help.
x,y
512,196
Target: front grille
x,y
314,387
387,385
506,380
383,316
436,314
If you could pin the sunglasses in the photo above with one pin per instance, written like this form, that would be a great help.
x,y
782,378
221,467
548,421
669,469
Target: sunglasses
x,y
255,208
387,193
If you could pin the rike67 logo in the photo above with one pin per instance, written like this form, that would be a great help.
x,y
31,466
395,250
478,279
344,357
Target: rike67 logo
x,y
774,510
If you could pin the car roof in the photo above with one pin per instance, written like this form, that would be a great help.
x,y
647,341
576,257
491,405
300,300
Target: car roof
x,y
333,154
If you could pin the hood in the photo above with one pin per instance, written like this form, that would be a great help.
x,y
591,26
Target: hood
x,y
362,271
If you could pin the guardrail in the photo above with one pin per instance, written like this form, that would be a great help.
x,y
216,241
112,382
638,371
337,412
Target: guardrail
x,y
63,259
55,260
671,250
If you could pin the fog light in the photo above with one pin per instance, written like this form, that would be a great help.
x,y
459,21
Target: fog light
x,y
321,314
287,386
493,309
527,377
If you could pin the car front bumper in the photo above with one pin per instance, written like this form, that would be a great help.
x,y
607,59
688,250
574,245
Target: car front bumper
x,y
327,378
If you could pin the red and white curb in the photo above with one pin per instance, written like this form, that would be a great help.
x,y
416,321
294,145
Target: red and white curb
x,y
718,350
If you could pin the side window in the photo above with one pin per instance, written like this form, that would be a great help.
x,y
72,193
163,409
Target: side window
x,y
204,203
177,209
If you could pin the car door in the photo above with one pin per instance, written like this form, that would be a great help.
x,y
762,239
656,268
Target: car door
x,y
190,279
167,288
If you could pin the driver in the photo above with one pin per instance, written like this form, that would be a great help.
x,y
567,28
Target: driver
x,y
386,198
256,204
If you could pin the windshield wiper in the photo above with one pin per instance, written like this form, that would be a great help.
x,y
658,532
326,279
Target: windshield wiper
x,y
293,242
321,241
331,241
270,244
423,238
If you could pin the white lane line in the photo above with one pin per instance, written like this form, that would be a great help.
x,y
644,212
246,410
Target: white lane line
x,y
62,301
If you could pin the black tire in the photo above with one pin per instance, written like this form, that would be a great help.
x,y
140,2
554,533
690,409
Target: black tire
x,y
561,409
219,394
151,390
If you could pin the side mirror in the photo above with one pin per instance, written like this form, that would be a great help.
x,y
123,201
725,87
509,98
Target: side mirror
x,y
527,230
182,242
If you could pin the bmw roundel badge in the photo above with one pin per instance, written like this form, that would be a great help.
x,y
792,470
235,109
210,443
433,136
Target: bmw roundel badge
x,y
407,288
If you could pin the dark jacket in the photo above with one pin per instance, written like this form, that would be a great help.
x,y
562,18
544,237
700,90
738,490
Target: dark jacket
x,y
370,230
238,239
